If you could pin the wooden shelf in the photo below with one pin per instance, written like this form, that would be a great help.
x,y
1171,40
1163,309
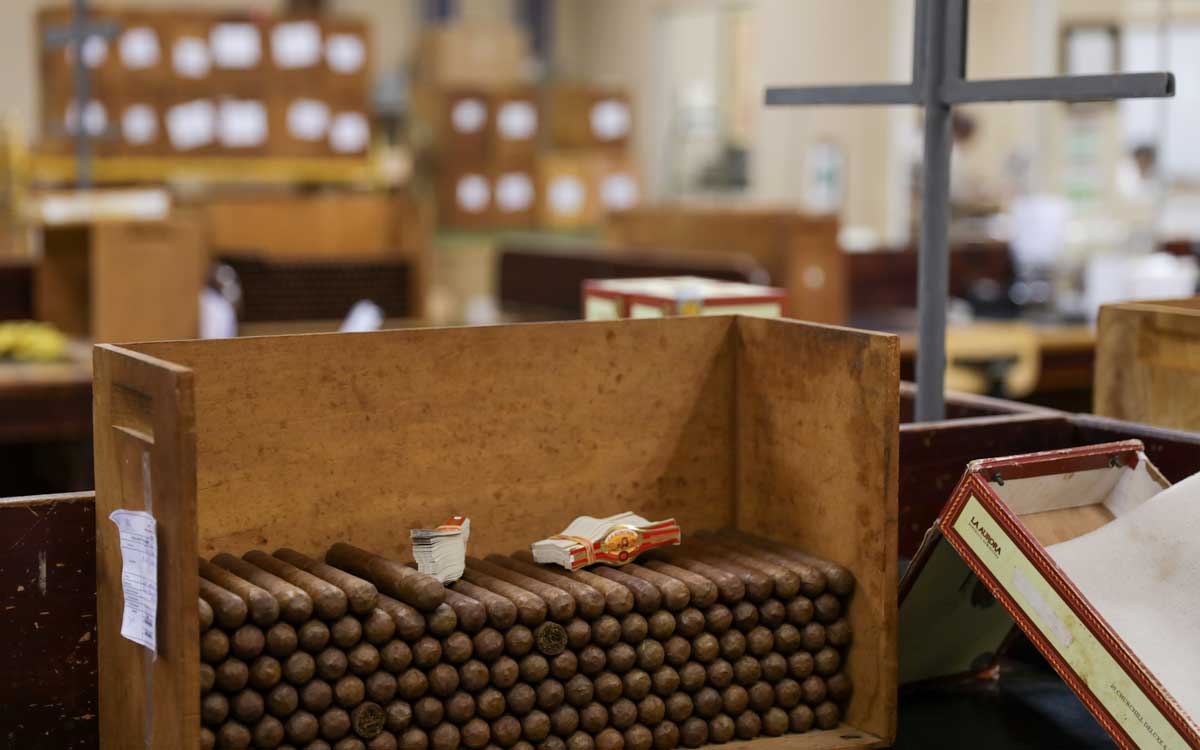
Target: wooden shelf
x,y
60,168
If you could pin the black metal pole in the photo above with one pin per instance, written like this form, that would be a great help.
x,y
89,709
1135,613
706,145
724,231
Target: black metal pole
x,y
83,95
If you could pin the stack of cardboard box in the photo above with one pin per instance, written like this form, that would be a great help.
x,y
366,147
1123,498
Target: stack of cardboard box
x,y
185,82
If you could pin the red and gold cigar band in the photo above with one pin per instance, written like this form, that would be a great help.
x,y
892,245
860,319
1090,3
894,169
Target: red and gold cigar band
x,y
621,544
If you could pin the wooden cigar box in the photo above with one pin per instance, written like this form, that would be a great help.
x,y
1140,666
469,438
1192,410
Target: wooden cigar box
x,y
1027,539
721,421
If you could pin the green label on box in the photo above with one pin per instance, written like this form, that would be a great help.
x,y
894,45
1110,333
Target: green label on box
x,y
1096,667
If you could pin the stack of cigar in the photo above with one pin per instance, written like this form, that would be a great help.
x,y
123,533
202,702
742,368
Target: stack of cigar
x,y
727,636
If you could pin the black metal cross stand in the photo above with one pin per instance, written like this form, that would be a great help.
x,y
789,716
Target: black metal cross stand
x,y
939,82
75,35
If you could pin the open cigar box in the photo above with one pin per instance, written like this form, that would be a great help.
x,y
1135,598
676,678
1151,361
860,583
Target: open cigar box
x,y
1088,551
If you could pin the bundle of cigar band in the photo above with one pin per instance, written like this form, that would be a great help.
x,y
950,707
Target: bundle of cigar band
x,y
727,636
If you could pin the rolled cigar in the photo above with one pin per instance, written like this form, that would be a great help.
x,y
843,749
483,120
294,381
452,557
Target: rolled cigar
x,y
501,612
301,728
812,637
428,712
813,690
650,655
518,641
520,699
787,694
762,696
579,691
838,687
734,700
733,645
208,740
316,697
346,632
840,580
229,611
606,630
560,604
621,657
231,676
531,608
505,672
675,593
838,633
730,588
398,717
261,607
349,691
424,592
579,633
787,639
692,676
638,737
664,681
350,743
295,606
378,627
589,602
608,687
233,736
622,714
786,582
693,732
328,601
445,737
535,726
801,718
442,620
208,676
427,651
618,599
580,740
332,663
281,640
651,710
760,641
679,707
550,638
564,721
689,623
747,671
610,739
661,625
470,613
443,680
677,651
800,665
550,695
635,684
827,608
267,732
265,673
381,687
592,660
385,741
718,618
460,708
214,647
533,668
411,684
505,731
564,666
361,595
318,744
705,648
205,613
593,718
774,667
720,729
702,591
812,580
666,736
473,676
745,616
488,644
747,725
475,734
457,648
395,657
634,628
827,661
772,613
799,611
214,709
707,702
489,704
720,674
774,722
827,715
313,636
646,596
413,739
759,585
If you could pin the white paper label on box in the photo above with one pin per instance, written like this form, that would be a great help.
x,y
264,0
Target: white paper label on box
x,y
235,46
191,124
473,193
308,119
139,575
95,118
514,192
242,123
619,192
139,48
517,121
349,133
190,58
95,51
468,115
567,195
610,119
296,45
345,53
139,126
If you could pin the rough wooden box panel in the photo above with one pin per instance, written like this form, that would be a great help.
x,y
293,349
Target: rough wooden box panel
x,y
1148,362
778,427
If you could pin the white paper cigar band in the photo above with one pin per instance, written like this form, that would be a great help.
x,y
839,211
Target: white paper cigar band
x,y
619,191
468,115
235,45
308,119
346,54
567,194
139,124
95,118
514,192
190,58
242,123
349,133
610,119
191,125
296,45
139,48
473,193
517,121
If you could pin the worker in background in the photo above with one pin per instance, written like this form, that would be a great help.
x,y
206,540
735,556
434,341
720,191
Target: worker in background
x,y
970,193
1138,179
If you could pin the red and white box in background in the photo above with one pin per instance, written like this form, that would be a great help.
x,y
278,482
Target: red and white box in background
x,y
612,299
